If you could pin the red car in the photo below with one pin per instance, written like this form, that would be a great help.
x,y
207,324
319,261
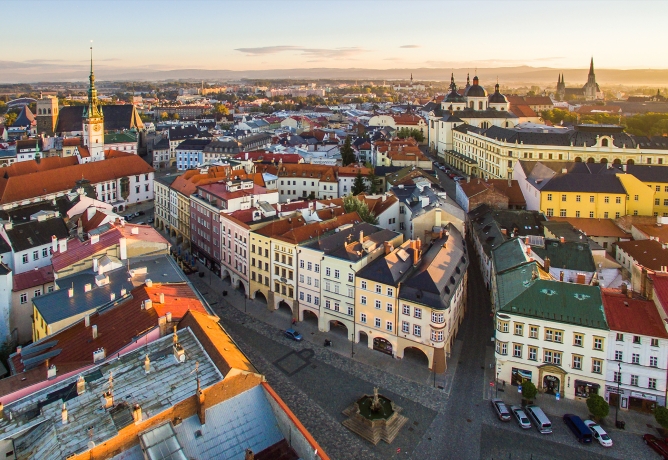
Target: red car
x,y
657,444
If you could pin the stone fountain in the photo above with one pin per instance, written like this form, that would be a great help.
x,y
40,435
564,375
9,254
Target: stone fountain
x,y
374,418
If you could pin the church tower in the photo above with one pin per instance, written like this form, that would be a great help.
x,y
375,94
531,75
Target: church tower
x,y
47,115
93,120
591,88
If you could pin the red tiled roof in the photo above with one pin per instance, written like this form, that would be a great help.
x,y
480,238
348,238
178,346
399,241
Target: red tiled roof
x,y
648,253
93,222
635,316
594,227
116,328
113,153
407,119
659,233
538,100
179,298
45,181
33,278
71,142
83,151
522,110
352,171
660,281
514,192
46,164
262,156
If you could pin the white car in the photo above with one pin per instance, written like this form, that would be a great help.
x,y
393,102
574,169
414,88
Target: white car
x,y
599,433
521,417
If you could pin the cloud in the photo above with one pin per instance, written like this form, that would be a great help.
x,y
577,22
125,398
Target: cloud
x,y
410,46
392,59
313,53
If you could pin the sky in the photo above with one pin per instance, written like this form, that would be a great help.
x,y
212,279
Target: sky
x,y
255,34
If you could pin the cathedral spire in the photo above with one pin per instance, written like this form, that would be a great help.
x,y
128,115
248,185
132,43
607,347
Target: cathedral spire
x,y
93,109
591,66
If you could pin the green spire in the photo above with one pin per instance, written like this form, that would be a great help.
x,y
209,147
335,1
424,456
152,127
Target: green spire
x,y
93,109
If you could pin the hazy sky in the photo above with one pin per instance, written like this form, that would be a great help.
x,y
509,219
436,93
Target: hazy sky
x,y
254,34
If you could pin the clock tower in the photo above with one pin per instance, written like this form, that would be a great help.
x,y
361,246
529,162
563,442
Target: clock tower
x,y
93,120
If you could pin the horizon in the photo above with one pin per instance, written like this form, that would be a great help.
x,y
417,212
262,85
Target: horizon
x,y
326,37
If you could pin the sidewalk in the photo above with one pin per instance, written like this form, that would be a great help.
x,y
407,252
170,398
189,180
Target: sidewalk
x,y
636,422
282,319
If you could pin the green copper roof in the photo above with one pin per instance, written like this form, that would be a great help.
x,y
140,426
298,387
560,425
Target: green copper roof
x,y
508,255
559,302
514,281
119,138
568,255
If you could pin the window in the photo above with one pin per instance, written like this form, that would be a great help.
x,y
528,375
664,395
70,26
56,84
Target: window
x,y
596,365
337,274
363,300
388,325
405,327
591,214
301,279
25,258
619,355
316,300
636,339
552,335
390,292
591,198
417,330
350,291
377,304
618,200
606,199
517,350
549,197
533,332
598,343
577,362
502,348
619,337
562,213
379,289
577,213
417,312
651,384
363,284
45,252
437,336
563,197
363,317
301,295
635,197
655,342
327,286
533,353
437,318
377,322
350,277
406,310
301,263
336,288
35,255
519,329
317,268
502,326
577,198
550,212
389,307
653,361
309,298
635,358
24,298
617,377
634,380
328,271
577,340
328,304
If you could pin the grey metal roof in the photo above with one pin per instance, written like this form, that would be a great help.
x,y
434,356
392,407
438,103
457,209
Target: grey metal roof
x,y
36,233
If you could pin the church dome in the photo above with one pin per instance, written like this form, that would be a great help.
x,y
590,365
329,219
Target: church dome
x,y
454,96
497,97
475,90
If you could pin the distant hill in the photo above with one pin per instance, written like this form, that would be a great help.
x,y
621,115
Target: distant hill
x,y
14,72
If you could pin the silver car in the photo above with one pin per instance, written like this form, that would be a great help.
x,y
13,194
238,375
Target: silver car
x,y
521,417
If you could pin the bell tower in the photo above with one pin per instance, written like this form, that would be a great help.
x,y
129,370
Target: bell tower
x,y
93,120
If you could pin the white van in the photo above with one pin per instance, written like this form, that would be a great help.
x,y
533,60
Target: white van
x,y
539,419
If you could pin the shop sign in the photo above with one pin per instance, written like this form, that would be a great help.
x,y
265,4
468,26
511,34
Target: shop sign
x,y
637,394
611,389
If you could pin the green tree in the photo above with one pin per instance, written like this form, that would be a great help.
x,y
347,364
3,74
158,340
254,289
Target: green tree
x,y
373,182
164,116
352,204
347,152
10,118
661,416
221,109
597,406
3,107
529,390
359,185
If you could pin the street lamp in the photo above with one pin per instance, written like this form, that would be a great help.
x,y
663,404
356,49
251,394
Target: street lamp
x,y
496,384
245,298
619,395
352,345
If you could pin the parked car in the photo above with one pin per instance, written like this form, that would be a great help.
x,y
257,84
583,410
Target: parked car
x,y
539,419
150,220
140,213
141,223
657,444
457,178
129,217
521,417
294,335
579,429
136,214
501,410
599,433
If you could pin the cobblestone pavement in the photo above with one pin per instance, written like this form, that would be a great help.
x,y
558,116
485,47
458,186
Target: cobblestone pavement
x,y
451,423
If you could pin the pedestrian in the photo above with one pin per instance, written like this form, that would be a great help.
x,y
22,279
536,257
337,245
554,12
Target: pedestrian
x,y
294,321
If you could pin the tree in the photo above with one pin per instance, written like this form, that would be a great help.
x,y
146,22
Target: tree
x,y
529,390
661,416
597,406
352,204
10,118
358,184
373,182
221,109
347,152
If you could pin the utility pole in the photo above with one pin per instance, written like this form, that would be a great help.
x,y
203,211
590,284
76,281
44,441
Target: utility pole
x,y
619,395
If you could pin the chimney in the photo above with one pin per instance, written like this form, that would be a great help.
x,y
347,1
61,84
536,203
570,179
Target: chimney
x,y
136,413
62,245
149,283
18,349
95,265
162,324
87,320
201,409
94,331
2,411
528,250
94,239
162,300
562,239
388,247
112,296
643,282
51,372
249,455
526,240
168,316
649,295
546,264
81,385
123,249
416,256
54,243
624,289
63,414
135,231
70,292
87,287
148,304
561,275
147,365
123,292
107,400
361,237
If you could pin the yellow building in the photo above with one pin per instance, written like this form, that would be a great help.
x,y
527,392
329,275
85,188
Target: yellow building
x,y
655,177
639,196
413,299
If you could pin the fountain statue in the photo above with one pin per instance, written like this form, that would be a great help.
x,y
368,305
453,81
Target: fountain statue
x,y
374,418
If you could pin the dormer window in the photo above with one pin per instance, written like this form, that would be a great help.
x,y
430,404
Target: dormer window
x,y
604,142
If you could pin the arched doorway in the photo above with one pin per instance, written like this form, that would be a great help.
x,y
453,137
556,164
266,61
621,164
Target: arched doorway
x,y
364,338
241,287
551,384
382,345
284,308
415,355
604,160
616,161
591,160
578,159
225,275
259,296
338,328
630,162
309,317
